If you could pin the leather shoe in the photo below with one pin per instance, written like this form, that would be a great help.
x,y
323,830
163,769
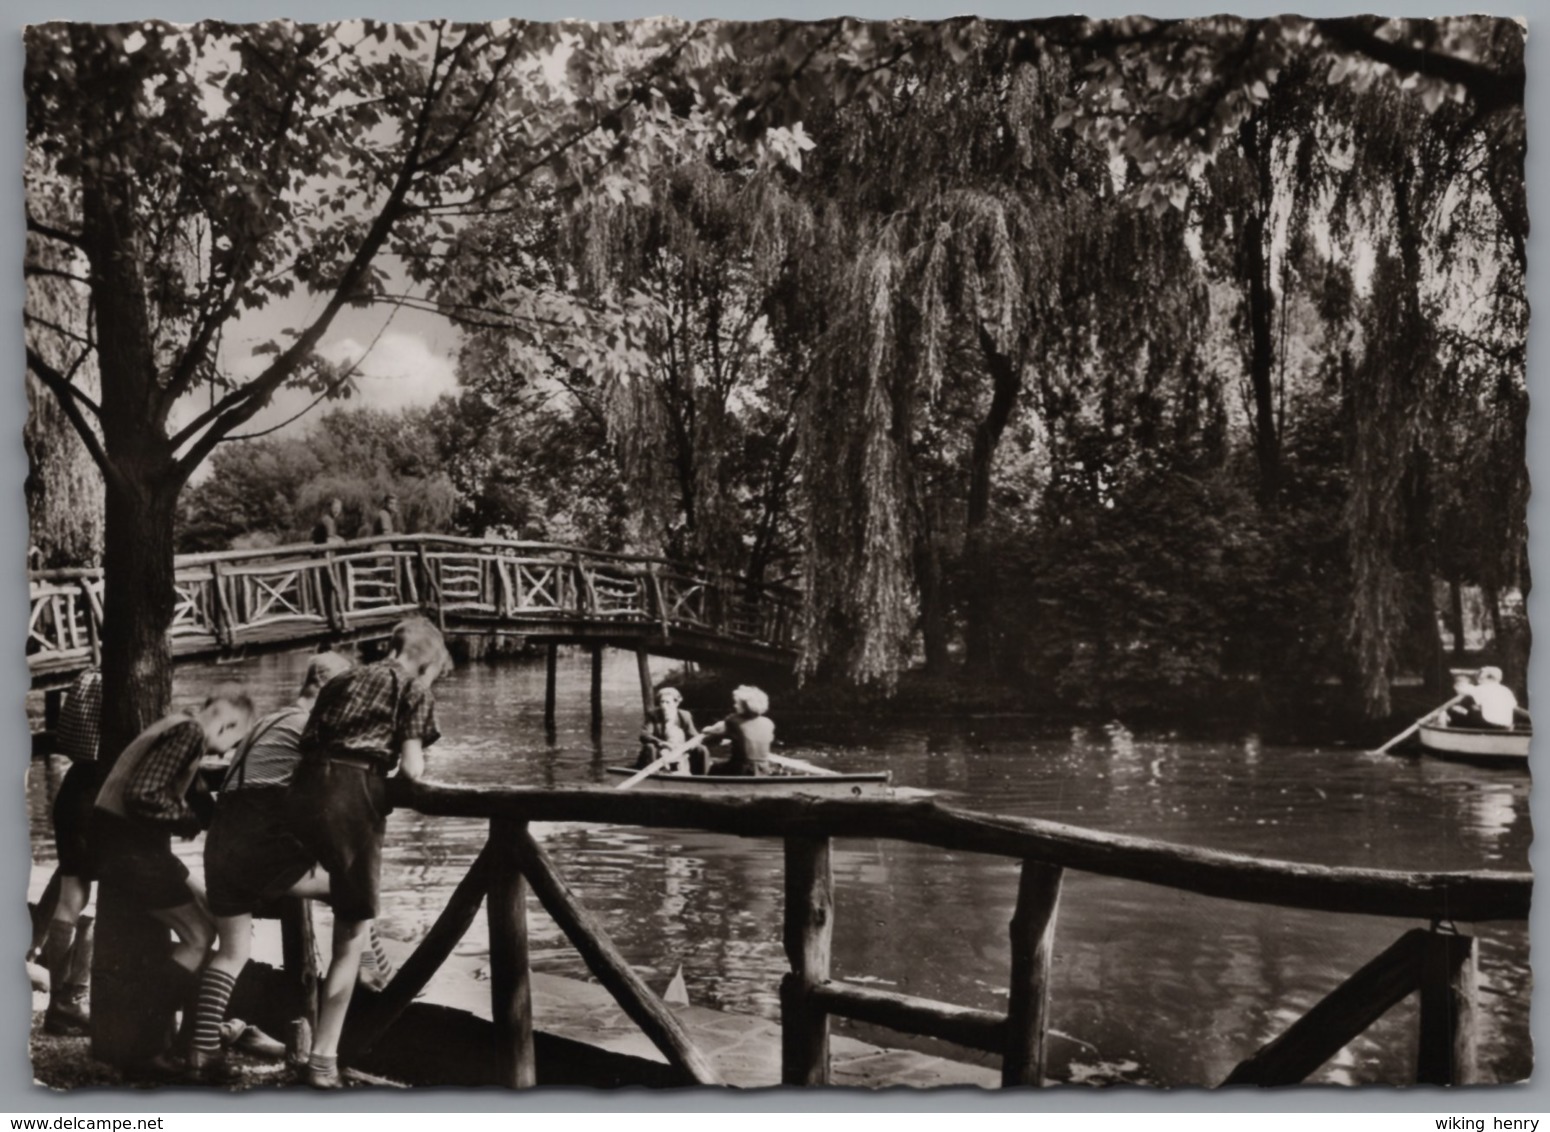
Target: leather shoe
x,y
66,1019
204,1068
244,1037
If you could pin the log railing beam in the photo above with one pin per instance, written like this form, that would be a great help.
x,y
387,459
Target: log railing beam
x,y
1337,1018
1466,896
962,1025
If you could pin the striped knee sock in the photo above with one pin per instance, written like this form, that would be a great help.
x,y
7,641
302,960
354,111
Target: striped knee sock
x,y
215,989
374,957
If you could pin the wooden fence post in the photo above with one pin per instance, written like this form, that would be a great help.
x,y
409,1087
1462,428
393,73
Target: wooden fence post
x,y
808,936
1033,946
659,602
299,955
511,994
1449,984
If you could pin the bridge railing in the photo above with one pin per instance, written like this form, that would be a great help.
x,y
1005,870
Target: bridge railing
x,y
1436,962
230,598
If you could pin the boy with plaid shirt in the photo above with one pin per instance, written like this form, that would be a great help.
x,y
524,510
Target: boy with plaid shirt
x,y
153,792
363,725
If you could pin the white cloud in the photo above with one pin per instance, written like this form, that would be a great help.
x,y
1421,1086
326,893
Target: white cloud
x,y
401,370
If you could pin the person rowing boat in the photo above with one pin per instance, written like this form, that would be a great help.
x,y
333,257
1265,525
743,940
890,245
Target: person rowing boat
x,y
668,727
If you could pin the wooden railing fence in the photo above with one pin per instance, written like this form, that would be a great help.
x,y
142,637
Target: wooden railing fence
x,y
1437,962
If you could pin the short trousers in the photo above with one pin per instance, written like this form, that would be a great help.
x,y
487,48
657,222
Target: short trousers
x,y
252,857
339,812
140,862
74,829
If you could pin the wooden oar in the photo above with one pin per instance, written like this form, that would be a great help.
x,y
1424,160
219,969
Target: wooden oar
x,y
798,764
652,768
1416,726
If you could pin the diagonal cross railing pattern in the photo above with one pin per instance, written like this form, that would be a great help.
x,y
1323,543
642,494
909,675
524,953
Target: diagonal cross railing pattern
x,y
292,596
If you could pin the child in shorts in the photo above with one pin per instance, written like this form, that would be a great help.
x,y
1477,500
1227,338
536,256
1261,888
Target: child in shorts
x,y
252,857
364,724
154,791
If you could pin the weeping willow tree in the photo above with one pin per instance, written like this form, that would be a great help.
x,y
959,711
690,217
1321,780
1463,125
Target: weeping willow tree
x,y
1400,144
943,227
63,489
654,323
1438,403
706,420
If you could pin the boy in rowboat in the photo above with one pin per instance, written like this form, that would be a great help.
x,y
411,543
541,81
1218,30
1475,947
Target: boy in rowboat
x,y
668,726
364,724
749,730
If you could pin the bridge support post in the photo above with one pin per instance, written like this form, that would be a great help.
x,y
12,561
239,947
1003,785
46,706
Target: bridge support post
x,y
597,688
551,661
643,664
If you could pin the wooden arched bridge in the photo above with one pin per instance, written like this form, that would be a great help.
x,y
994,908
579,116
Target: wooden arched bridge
x,y
238,602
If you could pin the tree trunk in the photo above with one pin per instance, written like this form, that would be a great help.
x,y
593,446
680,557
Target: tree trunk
x,y
130,1014
1256,268
1006,382
933,601
1456,617
137,608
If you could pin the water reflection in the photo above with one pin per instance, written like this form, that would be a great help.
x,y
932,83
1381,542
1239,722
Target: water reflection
x,y
1148,983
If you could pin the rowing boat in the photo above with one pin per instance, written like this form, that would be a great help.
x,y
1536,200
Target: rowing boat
x,y
1477,744
875,784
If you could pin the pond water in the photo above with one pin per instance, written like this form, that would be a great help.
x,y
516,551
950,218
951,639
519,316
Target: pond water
x,y
1149,984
